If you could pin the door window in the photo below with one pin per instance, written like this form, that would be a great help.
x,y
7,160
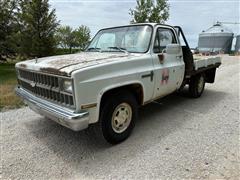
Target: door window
x,y
164,37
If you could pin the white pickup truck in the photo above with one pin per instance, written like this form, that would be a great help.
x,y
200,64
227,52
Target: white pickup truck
x,y
123,68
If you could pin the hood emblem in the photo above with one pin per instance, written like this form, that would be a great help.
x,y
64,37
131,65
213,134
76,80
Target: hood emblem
x,y
36,59
33,84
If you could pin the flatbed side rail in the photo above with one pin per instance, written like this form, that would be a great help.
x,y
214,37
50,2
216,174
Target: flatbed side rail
x,y
202,69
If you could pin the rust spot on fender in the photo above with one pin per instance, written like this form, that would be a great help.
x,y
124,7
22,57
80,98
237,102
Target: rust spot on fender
x,y
53,71
87,106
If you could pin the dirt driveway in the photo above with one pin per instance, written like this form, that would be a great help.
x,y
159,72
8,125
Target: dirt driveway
x,y
176,137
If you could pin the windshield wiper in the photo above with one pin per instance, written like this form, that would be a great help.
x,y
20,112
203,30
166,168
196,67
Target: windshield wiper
x,y
119,48
92,48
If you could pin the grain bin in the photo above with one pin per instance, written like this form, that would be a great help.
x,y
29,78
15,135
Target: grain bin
x,y
216,39
237,45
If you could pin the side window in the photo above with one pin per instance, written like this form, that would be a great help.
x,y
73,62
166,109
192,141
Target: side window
x,y
164,37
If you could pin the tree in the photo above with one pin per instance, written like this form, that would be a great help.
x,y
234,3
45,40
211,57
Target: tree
x,y
38,25
82,35
65,37
8,28
150,11
68,38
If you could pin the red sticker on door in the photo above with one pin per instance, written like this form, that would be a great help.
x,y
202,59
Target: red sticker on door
x,y
165,76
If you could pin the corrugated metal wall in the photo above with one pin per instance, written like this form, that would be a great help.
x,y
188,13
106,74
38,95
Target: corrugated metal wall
x,y
216,39
237,46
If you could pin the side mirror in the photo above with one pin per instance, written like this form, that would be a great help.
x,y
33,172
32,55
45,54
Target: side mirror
x,y
173,49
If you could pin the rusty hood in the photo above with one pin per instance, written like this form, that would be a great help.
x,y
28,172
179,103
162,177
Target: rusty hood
x,y
66,64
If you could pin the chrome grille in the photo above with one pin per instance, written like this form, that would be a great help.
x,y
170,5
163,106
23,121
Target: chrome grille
x,y
39,78
44,86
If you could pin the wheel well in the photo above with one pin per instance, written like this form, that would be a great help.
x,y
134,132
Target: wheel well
x,y
209,75
135,89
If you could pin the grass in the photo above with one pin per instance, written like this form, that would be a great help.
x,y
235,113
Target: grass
x,y
8,81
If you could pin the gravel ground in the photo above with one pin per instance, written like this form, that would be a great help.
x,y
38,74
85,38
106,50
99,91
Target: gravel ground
x,y
176,137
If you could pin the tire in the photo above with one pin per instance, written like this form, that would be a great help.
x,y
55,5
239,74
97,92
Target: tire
x,y
120,108
196,85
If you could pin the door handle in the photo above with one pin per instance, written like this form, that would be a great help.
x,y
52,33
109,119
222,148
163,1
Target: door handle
x,y
148,75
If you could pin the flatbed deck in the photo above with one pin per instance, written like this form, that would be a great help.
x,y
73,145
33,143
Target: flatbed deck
x,y
205,61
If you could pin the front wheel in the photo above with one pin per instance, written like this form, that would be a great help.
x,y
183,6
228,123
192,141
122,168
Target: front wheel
x,y
118,116
196,85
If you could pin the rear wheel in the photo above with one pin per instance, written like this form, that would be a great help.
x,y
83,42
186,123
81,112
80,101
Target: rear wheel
x,y
196,85
117,118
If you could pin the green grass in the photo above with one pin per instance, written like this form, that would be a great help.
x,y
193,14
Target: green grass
x,y
7,72
8,81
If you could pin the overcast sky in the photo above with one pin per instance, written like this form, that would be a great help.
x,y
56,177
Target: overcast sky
x,y
192,15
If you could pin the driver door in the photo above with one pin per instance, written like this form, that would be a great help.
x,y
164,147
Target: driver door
x,y
168,67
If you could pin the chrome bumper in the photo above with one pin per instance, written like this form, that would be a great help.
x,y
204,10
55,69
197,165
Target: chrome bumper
x,y
59,114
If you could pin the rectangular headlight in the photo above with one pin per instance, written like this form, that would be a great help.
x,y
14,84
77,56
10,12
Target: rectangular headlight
x,y
67,85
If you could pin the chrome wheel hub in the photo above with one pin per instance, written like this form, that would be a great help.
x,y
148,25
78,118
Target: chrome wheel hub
x,y
121,117
200,84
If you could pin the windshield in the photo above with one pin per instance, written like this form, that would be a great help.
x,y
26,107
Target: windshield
x,y
134,39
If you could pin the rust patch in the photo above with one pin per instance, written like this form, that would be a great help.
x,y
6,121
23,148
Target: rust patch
x,y
53,71
66,63
81,58
23,65
60,62
56,65
87,106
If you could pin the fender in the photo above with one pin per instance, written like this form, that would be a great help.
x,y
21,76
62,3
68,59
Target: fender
x,y
114,86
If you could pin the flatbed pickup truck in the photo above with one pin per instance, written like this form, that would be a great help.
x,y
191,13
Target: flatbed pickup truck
x,y
122,68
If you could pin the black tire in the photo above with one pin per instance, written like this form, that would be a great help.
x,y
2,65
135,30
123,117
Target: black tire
x,y
196,85
105,126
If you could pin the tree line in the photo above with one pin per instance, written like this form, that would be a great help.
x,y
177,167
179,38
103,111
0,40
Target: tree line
x,y
30,28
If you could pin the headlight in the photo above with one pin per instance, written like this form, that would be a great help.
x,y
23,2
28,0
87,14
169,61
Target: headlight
x,y
67,86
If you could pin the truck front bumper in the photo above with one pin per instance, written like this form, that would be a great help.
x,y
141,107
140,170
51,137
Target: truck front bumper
x,y
59,114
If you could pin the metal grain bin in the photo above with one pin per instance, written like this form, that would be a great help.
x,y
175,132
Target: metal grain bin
x,y
216,39
237,45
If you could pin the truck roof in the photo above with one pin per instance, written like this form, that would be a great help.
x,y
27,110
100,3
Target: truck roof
x,y
137,24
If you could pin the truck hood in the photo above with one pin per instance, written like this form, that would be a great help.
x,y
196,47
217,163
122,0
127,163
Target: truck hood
x,y
66,64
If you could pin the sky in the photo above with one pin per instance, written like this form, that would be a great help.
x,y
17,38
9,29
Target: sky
x,y
192,15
